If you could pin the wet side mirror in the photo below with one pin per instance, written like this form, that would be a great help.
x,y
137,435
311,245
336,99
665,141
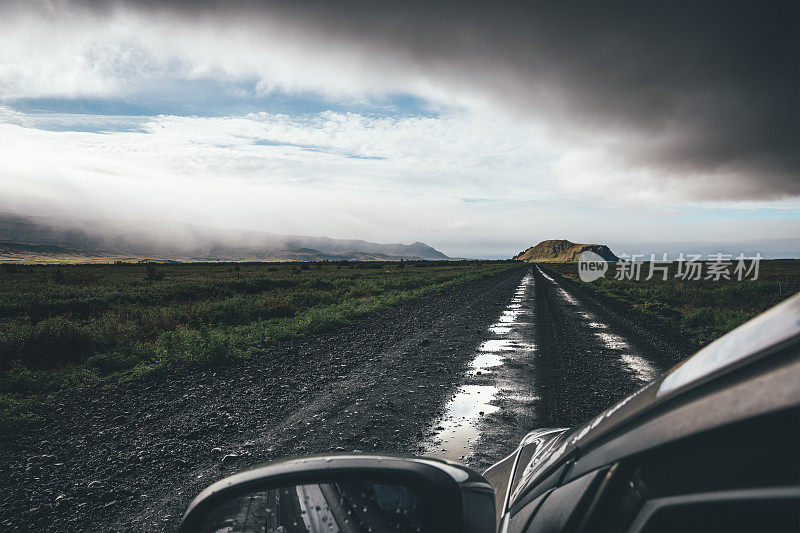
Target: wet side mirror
x,y
348,494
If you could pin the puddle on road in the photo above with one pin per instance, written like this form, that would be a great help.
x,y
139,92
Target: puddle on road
x,y
490,352
639,367
504,345
509,316
458,430
510,340
564,294
485,361
615,342
459,427
545,275
568,297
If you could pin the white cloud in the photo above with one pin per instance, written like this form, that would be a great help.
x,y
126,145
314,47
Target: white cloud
x,y
322,174
308,179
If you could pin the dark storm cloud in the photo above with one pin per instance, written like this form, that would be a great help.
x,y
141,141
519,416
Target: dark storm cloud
x,y
685,88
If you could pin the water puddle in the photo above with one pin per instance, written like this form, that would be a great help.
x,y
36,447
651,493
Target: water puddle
x,y
568,297
615,342
509,316
486,361
639,367
504,345
545,275
458,429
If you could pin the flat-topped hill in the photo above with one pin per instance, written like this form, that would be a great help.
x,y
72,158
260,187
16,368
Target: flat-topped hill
x,y
562,251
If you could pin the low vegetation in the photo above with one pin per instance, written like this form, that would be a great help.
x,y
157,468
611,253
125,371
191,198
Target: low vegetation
x,y
702,309
67,326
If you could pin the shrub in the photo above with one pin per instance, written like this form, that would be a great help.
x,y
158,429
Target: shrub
x,y
152,274
58,276
110,362
204,345
18,379
59,340
10,268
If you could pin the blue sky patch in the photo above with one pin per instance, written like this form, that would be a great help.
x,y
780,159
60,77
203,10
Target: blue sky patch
x,y
314,148
215,98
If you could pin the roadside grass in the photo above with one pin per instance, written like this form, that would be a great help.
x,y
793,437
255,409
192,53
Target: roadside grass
x,y
703,310
71,326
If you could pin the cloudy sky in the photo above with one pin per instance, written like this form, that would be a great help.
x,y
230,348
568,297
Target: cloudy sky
x,y
479,128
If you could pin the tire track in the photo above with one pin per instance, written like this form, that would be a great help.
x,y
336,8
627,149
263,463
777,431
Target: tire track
x,y
497,405
589,357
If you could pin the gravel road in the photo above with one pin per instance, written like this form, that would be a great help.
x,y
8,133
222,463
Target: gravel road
x,y
132,458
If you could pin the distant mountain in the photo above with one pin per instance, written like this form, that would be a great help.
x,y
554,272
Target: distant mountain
x,y
73,239
562,251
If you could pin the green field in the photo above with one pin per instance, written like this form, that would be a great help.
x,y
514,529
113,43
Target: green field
x,y
65,326
702,310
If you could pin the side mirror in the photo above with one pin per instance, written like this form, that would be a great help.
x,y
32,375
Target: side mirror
x,y
347,493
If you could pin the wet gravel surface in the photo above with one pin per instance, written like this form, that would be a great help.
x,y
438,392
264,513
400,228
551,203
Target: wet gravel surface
x,y
516,399
132,458
591,351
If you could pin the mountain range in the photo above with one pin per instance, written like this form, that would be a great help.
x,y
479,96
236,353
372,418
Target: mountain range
x,y
67,238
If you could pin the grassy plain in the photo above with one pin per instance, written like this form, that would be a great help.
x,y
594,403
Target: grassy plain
x,y
702,309
65,326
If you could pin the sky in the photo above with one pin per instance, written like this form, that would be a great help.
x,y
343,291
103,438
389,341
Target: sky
x,y
479,128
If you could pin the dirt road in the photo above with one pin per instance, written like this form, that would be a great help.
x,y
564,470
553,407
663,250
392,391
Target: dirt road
x,y
464,373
